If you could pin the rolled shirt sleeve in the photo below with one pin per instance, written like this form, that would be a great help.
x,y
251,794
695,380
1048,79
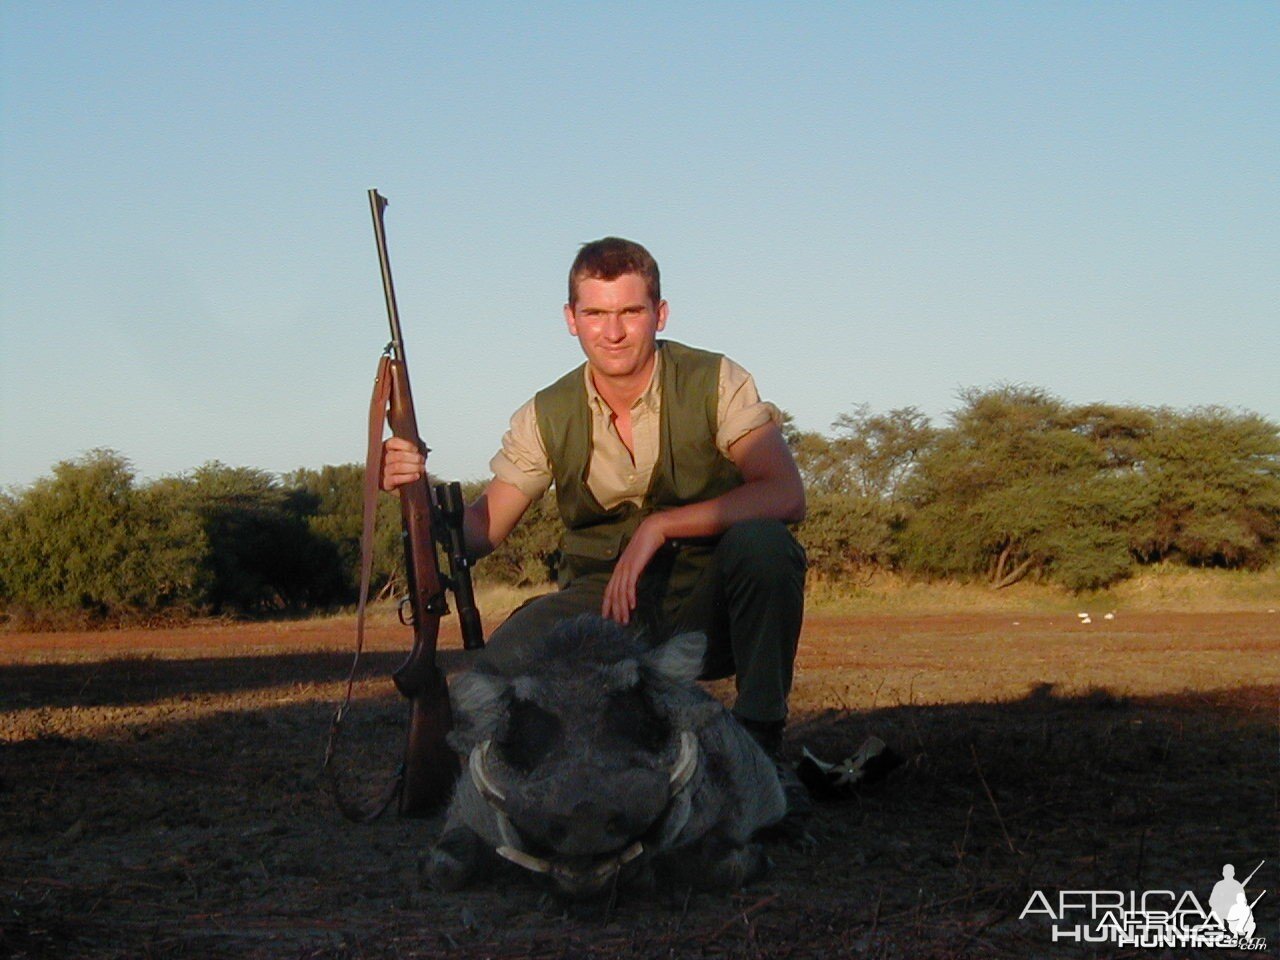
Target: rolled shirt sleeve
x,y
739,409
522,461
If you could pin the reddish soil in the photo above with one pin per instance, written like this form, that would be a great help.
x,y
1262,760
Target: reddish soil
x,y
160,795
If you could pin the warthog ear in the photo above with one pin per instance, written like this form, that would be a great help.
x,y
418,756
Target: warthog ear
x,y
680,658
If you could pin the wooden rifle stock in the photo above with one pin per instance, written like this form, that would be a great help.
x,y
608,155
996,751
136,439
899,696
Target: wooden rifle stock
x,y
422,570
430,766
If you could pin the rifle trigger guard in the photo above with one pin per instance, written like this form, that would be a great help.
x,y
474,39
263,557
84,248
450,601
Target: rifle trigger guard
x,y
437,605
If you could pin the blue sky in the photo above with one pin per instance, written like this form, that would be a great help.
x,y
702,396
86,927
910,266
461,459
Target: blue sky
x,y
874,203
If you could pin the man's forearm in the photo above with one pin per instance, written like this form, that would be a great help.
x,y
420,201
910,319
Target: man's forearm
x,y
771,490
754,500
761,498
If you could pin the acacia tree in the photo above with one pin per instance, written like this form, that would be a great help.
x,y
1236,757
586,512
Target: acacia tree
x,y
867,455
853,479
1022,484
88,541
1215,479
262,554
332,500
881,450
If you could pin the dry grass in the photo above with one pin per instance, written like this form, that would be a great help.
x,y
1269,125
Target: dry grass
x,y
167,805
1161,588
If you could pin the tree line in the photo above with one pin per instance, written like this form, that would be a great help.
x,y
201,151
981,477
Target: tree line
x,y
1016,484
1019,484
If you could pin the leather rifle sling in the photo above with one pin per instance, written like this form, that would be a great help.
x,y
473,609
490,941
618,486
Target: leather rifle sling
x,y
372,471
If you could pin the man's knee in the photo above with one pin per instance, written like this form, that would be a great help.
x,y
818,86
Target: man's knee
x,y
762,550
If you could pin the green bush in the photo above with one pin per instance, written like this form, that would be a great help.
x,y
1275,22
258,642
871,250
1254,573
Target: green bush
x,y
88,541
846,535
332,499
1215,478
1017,487
525,557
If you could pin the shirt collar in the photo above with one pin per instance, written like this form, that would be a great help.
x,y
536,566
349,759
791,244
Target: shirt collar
x,y
650,398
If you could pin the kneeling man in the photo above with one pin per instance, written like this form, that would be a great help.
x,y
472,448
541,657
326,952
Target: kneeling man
x,y
674,484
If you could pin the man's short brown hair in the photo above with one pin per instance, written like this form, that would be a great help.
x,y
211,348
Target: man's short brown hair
x,y
610,258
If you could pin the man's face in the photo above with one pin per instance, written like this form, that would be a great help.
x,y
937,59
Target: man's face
x,y
616,323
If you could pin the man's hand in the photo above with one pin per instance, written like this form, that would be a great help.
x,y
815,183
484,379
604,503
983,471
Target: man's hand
x,y
620,593
402,462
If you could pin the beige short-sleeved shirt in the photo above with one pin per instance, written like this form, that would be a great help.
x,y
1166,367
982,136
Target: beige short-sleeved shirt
x,y
613,476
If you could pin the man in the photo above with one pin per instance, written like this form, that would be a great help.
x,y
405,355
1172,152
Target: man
x,y
674,483
1225,893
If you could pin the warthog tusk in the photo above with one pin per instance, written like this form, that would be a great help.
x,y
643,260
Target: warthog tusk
x,y
610,867
682,771
522,859
507,830
675,820
476,764
602,871
685,765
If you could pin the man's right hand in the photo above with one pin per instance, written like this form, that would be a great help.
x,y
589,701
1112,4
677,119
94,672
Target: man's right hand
x,y
402,462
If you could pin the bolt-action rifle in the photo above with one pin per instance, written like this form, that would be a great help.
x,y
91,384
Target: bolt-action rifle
x,y
430,766
428,517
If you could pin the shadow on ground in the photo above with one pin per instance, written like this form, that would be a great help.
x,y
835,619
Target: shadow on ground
x,y
144,679
137,823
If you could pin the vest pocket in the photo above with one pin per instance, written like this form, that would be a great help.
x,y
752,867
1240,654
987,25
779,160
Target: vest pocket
x,y
595,544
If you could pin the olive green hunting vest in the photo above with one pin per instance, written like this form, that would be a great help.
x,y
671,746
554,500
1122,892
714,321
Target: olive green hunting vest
x,y
690,467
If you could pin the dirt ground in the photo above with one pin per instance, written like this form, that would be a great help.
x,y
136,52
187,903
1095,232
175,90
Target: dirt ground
x,y
160,795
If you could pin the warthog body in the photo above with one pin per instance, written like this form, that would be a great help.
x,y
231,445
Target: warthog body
x,y
593,759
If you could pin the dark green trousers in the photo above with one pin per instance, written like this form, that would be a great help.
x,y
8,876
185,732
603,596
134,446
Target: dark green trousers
x,y
745,592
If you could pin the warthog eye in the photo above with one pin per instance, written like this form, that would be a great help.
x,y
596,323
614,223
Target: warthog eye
x,y
529,735
630,717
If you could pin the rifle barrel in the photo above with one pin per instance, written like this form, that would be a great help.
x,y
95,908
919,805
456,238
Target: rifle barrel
x,y
377,203
1250,876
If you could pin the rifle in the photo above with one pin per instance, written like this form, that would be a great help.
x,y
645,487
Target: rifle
x,y
430,767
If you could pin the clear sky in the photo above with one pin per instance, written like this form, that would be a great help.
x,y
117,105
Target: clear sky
x,y
874,203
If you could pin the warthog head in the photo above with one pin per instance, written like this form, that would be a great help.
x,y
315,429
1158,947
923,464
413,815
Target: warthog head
x,y
588,753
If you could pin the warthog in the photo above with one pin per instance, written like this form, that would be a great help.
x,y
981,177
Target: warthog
x,y
592,758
